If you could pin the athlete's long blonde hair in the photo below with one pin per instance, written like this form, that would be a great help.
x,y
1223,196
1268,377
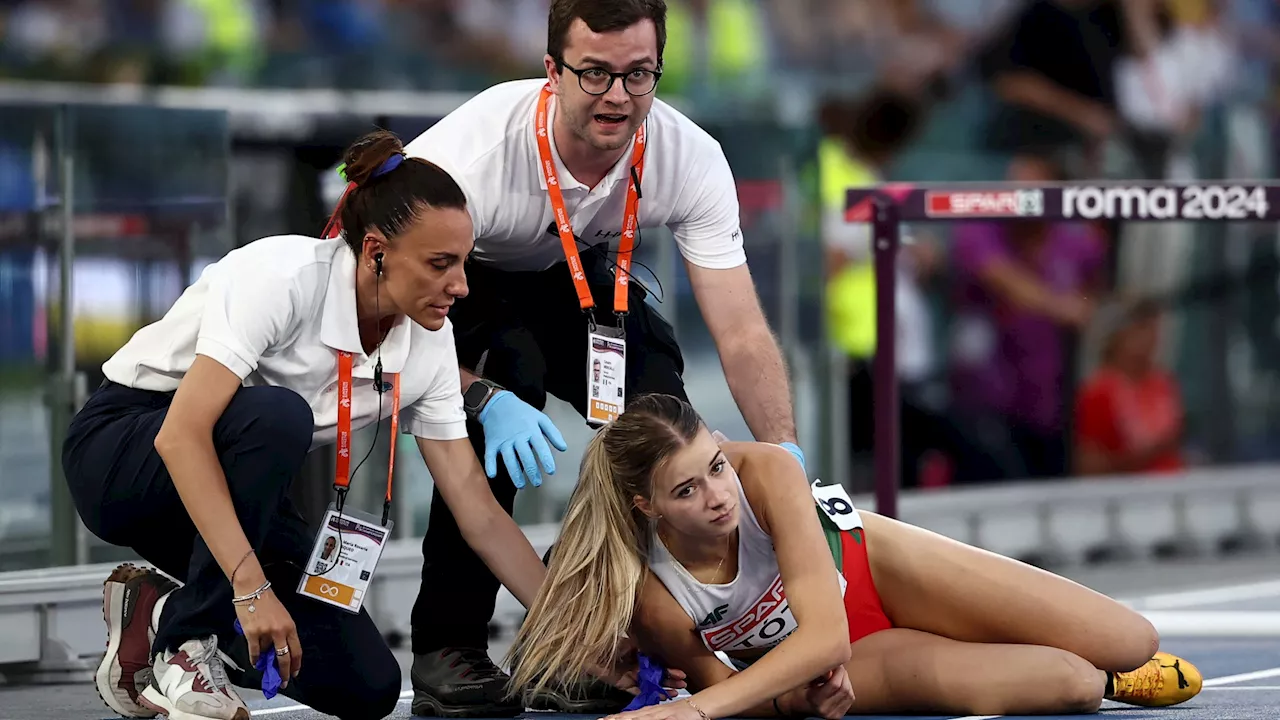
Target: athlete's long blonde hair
x,y
598,564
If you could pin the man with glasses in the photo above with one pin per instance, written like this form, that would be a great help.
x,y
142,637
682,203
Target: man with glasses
x,y
550,168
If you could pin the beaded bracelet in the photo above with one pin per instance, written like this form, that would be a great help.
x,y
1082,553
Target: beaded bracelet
x,y
251,597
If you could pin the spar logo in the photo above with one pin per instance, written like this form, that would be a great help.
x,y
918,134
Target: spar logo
x,y
763,624
1193,202
978,204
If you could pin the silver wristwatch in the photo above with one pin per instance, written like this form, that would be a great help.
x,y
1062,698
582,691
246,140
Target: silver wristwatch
x,y
479,395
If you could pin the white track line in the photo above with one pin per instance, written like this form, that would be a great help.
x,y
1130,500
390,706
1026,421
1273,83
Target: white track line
x,y
1210,684
277,710
1206,596
1243,677
1234,624
405,695
1248,687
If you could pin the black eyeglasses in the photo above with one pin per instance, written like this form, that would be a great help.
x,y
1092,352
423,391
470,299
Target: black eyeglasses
x,y
598,81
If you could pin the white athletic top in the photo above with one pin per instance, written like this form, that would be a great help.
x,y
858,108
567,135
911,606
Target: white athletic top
x,y
276,312
489,147
747,613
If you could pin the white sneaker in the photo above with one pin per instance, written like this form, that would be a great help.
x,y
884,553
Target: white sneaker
x,y
192,684
132,598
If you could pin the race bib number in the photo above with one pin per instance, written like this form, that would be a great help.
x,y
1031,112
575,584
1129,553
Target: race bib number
x,y
606,374
344,558
835,504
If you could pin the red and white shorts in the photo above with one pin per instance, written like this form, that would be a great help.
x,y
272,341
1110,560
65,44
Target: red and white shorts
x,y
861,600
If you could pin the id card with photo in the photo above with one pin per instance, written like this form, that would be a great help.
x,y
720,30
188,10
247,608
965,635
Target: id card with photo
x,y
606,375
344,558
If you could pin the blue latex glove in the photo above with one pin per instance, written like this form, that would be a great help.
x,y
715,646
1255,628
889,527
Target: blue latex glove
x,y
514,428
796,451
649,681
266,664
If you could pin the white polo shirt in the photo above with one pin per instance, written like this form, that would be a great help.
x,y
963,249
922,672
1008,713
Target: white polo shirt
x,y
489,147
276,312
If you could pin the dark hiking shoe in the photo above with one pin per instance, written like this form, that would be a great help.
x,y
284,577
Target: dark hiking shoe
x,y
461,682
587,696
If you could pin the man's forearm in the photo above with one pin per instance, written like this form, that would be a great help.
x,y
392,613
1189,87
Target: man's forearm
x,y
749,354
757,378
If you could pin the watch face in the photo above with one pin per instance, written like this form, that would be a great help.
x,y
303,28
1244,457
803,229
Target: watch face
x,y
475,394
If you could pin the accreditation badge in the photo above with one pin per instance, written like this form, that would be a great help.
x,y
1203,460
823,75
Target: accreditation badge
x,y
606,374
344,557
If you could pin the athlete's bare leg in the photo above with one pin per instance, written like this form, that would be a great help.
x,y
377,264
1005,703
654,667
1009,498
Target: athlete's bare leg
x,y
978,633
907,671
934,584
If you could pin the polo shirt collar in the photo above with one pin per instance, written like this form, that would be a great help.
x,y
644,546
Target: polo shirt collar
x,y
340,329
567,181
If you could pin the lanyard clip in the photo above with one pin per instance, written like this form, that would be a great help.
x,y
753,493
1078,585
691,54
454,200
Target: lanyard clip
x,y
342,498
386,512
591,318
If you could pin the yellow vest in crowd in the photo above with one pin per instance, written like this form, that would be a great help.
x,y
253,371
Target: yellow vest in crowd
x,y
734,35
851,293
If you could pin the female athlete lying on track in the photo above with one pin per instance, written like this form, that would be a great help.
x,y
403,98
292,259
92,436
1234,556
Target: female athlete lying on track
x,y
686,545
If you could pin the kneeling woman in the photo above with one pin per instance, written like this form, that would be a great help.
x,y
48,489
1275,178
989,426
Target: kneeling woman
x,y
904,620
187,451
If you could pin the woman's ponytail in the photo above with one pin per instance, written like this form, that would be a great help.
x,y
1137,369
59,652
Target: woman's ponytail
x,y
597,567
586,603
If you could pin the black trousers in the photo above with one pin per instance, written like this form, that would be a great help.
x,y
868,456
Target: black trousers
x,y
532,334
125,496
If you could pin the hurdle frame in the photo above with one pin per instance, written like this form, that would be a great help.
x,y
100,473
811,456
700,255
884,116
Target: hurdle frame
x,y
887,206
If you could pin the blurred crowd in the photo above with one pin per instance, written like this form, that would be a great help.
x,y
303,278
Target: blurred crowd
x,y
1021,356
465,44
434,44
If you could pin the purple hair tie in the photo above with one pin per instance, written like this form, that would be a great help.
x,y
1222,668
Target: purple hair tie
x,y
391,163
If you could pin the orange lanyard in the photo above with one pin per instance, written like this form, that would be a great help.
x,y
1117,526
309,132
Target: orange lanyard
x,y
567,240
342,479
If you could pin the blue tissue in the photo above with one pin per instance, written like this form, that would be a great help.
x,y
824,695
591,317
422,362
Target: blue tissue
x,y
649,680
266,664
